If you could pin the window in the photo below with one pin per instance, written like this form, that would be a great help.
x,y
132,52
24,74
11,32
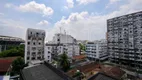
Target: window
x,y
28,43
28,58
33,43
39,53
31,32
33,53
48,51
48,56
33,48
39,43
33,58
38,57
29,37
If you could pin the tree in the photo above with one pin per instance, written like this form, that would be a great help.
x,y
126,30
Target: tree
x,y
82,47
13,51
64,62
17,65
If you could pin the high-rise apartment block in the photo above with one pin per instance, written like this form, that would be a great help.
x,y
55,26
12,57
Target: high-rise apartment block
x,y
125,39
34,45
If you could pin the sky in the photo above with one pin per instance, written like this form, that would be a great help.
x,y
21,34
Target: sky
x,y
83,19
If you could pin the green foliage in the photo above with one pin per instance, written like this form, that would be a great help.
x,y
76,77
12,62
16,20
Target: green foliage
x,y
82,47
77,74
64,62
17,65
13,51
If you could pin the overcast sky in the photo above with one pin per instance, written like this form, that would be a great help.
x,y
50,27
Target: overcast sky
x,y
83,19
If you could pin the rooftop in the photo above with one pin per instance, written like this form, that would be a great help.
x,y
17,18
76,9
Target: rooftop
x,y
10,38
5,64
43,72
101,76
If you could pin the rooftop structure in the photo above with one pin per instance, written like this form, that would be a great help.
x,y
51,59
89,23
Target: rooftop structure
x,y
43,72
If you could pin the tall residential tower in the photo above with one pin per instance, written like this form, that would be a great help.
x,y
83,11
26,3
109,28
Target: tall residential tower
x,y
125,39
34,45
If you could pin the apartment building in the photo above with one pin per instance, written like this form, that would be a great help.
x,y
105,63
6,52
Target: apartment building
x,y
34,45
63,38
125,39
63,43
58,49
97,50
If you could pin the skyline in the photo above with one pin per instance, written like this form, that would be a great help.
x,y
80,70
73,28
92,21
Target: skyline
x,y
83,19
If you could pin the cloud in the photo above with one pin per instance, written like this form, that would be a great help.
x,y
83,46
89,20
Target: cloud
x,y
1,14
84,25
36,7
70,4
9,5
43,23
111,2
10,27
86,1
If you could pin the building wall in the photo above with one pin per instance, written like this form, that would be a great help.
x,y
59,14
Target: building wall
x,y
97,50
47,53
69,49
125,39
63,39
34,45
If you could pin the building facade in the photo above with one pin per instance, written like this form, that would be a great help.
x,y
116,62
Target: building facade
x,y
63,39
125,39
63,43
34,45
55,49
97,50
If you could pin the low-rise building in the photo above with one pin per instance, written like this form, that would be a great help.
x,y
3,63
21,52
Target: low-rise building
x,y
43,72
5,64
8,41
97,50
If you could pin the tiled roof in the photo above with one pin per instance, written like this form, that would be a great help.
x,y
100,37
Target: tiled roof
x,y
114,72
5,63
79,57
101,76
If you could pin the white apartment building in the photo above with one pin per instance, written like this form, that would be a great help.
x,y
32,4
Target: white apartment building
x,y
97,50
63,43
47,53
63,38
34,45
